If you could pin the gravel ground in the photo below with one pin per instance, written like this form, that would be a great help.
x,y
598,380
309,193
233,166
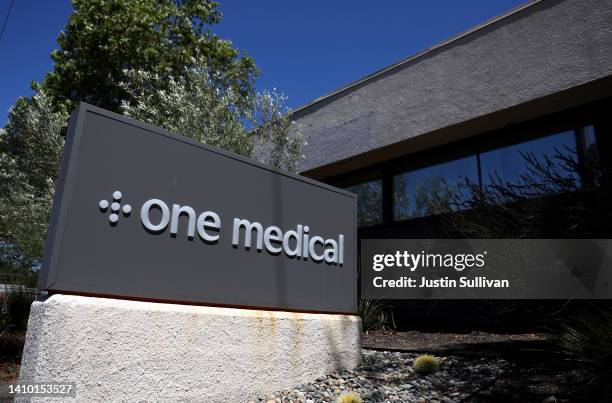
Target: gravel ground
x,y
388,377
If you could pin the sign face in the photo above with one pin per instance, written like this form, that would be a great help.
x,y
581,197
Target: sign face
x,y
143,213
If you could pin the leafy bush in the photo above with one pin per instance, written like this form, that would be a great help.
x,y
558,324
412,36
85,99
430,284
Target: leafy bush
x,y
349,397
426,364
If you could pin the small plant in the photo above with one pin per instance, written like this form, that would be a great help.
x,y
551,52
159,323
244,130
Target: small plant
x,y
374,315
426,364
349,397
586,338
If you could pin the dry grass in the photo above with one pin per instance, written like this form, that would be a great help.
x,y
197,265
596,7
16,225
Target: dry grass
x,y
11,347
9,371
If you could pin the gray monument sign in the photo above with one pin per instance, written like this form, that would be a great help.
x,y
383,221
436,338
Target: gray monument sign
x,y
146,214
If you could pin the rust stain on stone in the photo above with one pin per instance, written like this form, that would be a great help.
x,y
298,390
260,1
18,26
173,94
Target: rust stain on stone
x,y
260,329
296,351
272,323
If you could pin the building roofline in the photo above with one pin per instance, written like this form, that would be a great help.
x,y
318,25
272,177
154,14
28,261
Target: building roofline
x,y
416,56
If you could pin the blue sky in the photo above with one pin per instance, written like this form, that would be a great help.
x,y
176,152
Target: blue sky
x,y
304,49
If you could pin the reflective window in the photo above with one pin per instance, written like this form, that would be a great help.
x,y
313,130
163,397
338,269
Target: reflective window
x,y
586,143
433,190
533,167
554,164
369,202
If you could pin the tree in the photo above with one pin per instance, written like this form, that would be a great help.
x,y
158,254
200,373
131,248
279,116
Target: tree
x,y
103,38
152,60
192,104
189,104
277,142
30,148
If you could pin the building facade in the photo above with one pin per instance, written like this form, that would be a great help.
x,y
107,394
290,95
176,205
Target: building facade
x,y
522,98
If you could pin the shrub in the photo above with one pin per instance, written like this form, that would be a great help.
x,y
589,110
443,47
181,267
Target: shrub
x,y
426,364
349,397
374,315
587,339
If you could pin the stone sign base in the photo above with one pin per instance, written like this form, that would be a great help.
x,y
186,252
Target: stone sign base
x,y
142,351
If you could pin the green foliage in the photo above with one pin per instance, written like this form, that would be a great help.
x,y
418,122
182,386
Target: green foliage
x,y
426,364
374,314
349,397
105,37
193,105
189,104
152,60
587,339
30,148
276,142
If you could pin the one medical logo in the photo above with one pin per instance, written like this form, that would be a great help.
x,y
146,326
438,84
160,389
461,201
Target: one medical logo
x,y
115,207
297,241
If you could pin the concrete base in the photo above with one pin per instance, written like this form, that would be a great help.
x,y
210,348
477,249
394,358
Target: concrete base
x,y
136,351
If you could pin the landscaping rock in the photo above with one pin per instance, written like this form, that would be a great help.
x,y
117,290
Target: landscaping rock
x,y
388,376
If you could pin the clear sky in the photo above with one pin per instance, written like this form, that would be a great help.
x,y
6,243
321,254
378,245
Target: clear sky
x,y
303,48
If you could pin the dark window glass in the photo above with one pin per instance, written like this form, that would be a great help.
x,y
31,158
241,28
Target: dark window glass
x,y
586,143
533,168
369,202
433,190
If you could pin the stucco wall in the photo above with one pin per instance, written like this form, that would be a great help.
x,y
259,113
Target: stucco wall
x,y
117,350
543,49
